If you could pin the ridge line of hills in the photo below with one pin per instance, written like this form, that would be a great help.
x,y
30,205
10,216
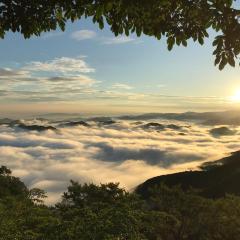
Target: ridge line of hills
x,y
214,179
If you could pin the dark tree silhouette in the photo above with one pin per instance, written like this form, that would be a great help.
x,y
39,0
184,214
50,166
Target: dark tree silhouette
x,y
177,20
108,212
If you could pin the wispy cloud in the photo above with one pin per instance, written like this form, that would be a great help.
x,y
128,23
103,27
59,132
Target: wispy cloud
x,y
118,40
52,80
63,65
122,86
69,80
10,73
89,34
81,79
161,85
83,35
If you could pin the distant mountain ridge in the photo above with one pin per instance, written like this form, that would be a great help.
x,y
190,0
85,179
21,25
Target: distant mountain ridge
x,y
229,117
215,179
208,118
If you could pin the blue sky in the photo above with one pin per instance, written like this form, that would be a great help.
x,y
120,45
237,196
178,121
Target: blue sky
x,y
115,75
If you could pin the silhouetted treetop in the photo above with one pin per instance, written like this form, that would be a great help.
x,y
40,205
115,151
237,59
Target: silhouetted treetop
x,y
4,171
177,20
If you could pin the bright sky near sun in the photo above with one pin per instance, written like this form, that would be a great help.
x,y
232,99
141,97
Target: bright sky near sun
x,y
88,70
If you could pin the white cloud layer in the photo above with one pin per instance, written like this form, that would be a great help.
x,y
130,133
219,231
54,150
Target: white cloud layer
x,y
124,152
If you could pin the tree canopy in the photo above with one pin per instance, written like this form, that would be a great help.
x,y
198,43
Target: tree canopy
x,y
108,212
177,20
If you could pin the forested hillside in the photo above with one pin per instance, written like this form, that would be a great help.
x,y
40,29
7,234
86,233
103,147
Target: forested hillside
x,y
108,212
213,180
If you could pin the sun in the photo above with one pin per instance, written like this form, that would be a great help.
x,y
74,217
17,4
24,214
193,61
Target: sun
x,y
236,96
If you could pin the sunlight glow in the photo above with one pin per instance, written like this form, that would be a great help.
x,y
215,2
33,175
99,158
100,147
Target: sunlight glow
x,y
236,96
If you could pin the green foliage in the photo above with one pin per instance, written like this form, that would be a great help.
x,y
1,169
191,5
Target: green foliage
x,y
21,215
22,220
108,212
177,20
189,216
100,212
11,186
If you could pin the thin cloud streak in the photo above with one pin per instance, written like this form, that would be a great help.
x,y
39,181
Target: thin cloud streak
x,y
83,35
118,40
87,34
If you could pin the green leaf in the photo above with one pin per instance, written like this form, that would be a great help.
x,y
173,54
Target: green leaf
x,y
231,61
200,40
184,43
170,42
215,42
217,60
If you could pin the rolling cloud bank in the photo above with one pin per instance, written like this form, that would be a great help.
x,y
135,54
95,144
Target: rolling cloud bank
x,y
129,149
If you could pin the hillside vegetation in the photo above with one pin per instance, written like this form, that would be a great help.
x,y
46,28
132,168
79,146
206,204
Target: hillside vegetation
x,y
106,211
213,180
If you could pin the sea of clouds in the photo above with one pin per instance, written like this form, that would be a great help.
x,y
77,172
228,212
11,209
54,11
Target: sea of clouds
x,y
102,150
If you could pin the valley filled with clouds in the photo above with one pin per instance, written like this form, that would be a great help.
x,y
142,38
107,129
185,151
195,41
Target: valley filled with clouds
x,y
129,149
